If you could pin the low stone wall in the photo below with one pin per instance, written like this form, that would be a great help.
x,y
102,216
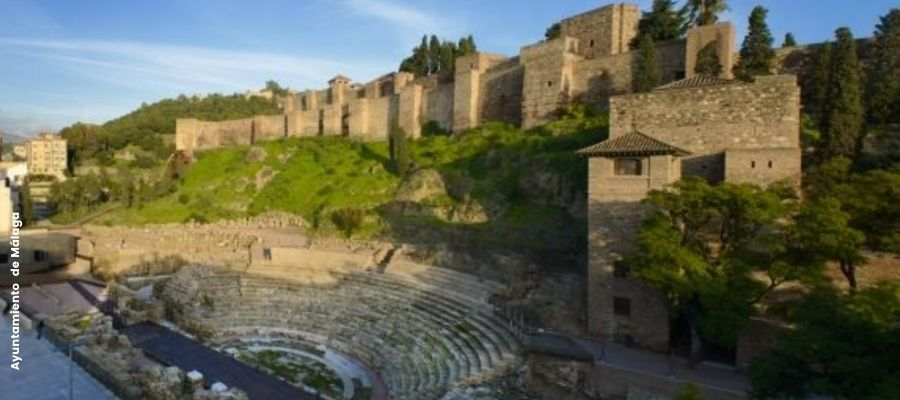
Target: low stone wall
x,y
151,249
566,379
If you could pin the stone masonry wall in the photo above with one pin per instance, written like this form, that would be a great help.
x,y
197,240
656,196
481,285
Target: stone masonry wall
x,y
547,79
437,106
710,120
614,215
501,88
604,31
596,80
590,61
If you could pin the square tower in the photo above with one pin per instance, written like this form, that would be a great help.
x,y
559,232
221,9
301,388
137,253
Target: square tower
x,y
621,171
604,31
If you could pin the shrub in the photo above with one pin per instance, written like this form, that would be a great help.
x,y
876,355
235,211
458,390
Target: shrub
x,y
433,128
348,220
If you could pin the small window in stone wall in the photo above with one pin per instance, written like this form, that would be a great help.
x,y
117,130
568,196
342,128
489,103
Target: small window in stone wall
x,y
549,83
39,256
4,258
620,269
627,166
622,306
592,43
770,164
752,164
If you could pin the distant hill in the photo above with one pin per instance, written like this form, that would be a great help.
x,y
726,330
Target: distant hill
x,y
143,127
11,138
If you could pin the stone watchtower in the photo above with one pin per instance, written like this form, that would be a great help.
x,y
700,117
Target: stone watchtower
x,y
621,172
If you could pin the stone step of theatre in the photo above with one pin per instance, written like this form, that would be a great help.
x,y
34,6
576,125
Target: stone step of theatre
x,y
420,328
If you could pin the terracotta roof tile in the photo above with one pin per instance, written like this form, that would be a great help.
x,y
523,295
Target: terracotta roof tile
x,y
632,144
697,81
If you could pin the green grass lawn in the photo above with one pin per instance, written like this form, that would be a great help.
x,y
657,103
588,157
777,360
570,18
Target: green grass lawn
x,y
494,165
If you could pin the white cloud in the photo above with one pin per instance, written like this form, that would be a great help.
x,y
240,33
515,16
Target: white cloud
x,y
184,68
404,16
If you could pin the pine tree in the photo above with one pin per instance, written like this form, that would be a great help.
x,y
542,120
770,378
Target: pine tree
x,y
789,40
553,32
883,72
448,57
400,150
816,77
466,46
646,72
434,55
662,23
703,12
708,60
842,114
757,56
419,60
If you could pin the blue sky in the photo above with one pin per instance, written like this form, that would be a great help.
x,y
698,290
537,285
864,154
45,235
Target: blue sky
x,y
63,61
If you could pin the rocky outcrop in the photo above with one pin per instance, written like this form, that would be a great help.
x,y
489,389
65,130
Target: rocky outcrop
x,y
421,184
264,176
256,154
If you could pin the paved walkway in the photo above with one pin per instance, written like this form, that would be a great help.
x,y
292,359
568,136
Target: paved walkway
x,y
640,361
172,348
44,373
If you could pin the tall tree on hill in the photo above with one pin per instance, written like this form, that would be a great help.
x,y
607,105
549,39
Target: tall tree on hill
x,y
842,114
757,56
466,46
708,60
815,77
433,56
553,32
789,40
703,12
661,23
646,72
400,150
447,57
883,72
275,88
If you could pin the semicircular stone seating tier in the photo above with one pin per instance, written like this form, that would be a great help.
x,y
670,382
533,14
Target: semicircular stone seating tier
x,y
420,328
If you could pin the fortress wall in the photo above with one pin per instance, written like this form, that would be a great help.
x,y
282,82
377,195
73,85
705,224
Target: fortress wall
x,y
309,123
359,117
266,127
709,120
546,79
698,37
595,80
410,106
225,133
381,113
763,166
604,31
501,92
437,105
331,120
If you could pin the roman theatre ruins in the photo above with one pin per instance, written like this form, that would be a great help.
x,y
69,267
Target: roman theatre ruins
x,y
353,319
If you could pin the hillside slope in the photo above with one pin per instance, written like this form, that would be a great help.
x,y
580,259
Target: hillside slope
x,y
494,185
